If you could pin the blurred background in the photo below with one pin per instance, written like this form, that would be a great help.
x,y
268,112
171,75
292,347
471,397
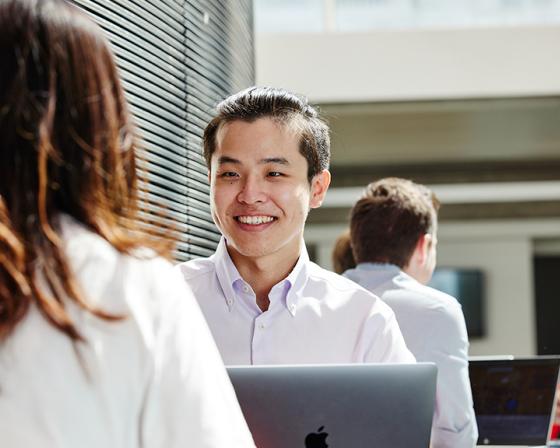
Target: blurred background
x,y
461,95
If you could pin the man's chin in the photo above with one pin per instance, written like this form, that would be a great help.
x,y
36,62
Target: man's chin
x,y
248,249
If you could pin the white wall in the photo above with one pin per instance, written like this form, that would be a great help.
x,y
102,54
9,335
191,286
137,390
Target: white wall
x,y
504,251
507,266
404,65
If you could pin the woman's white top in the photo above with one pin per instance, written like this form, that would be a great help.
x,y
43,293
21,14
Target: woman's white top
x,y
153,379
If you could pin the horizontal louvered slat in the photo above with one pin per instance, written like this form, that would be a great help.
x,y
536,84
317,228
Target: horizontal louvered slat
x,y
215,55
165,117
175,69
207,90
153,142
166,21
176,198
126,21
212,74
196,112
181,221
151,93
160,162
150,73
195,160
231,33
157,126
128,47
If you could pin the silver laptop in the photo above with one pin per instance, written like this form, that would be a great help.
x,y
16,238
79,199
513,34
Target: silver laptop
x,y
337,406
514,398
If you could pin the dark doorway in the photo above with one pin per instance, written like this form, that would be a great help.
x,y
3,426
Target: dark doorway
x,y
547,300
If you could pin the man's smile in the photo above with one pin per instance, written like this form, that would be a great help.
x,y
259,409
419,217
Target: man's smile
x,y
255,220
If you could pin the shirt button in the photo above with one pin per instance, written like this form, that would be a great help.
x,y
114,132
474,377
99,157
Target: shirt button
x,y
292,308
245,288
262,326
229,302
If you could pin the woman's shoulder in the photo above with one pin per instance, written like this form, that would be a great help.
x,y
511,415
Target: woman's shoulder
x,y
114,279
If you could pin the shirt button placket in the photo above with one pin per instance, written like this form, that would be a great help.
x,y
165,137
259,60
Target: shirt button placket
x,y
259,340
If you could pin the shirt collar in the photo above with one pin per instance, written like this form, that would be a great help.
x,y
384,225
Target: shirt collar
x,y
386,267
228,275
368,274
364,270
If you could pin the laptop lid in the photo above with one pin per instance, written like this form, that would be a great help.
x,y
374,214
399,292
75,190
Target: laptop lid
x,y
513,399
345,406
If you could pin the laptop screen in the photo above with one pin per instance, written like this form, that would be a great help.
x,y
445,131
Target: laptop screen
x,y
358,405
513,399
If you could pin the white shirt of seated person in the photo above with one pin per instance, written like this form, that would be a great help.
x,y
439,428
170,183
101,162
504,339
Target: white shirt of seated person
x,y
264,301
434,327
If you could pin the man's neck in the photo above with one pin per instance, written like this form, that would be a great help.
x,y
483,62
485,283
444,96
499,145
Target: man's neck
x,y
415,274
262,273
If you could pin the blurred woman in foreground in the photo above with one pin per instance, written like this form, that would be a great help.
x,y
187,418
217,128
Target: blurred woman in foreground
x,y
100,344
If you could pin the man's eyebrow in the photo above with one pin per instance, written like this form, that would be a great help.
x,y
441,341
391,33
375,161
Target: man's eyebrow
x,y
278,160
225,159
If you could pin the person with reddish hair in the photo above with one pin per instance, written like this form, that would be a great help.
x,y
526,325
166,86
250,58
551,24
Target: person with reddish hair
x,y
101,343
342,256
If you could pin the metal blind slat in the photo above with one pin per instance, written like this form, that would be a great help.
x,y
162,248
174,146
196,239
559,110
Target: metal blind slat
x,y
175,68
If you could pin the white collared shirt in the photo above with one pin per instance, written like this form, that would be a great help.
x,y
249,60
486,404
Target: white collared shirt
x,y
154,379
434,329
314,316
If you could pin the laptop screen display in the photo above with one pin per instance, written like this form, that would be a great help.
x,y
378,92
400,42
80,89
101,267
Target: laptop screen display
x,y
513,399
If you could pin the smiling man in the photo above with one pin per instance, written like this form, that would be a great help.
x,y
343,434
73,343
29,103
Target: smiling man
x,y
268,153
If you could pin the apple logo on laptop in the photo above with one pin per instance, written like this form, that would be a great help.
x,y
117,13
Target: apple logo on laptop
x,y
317,439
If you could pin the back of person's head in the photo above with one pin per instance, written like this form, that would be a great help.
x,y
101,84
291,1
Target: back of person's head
x,y
389,219
342,257
283,107
67,146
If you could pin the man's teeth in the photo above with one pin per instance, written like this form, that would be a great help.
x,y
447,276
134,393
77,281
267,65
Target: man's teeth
x,y
255,220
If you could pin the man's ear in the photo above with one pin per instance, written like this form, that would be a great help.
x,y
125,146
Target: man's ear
x,y
422,249
319,186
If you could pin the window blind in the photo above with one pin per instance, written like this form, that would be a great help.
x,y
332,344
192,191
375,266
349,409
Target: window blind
x,y
178,59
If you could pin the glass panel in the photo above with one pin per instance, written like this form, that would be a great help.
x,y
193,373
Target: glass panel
x,y
289,16
363,15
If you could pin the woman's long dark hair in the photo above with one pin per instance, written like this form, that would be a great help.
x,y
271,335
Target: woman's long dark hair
x,y
67,145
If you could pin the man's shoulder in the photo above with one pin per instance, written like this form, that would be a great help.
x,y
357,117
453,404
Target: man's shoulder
x,y
335,281
442,310
342,289
427,296
199,267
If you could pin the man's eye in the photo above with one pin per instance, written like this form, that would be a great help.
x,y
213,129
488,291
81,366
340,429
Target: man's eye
x,y
228,174
275,174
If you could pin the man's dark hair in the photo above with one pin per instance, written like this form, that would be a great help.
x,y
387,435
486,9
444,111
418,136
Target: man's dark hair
x,y
388,220
282,106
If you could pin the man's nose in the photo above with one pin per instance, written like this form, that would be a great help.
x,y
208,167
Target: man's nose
x,y
252,191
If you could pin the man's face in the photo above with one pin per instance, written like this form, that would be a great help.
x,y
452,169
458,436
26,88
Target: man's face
x,y
260,194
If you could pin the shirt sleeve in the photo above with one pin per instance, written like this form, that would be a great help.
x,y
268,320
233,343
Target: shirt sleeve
x,y
386,343
190,401
454,420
